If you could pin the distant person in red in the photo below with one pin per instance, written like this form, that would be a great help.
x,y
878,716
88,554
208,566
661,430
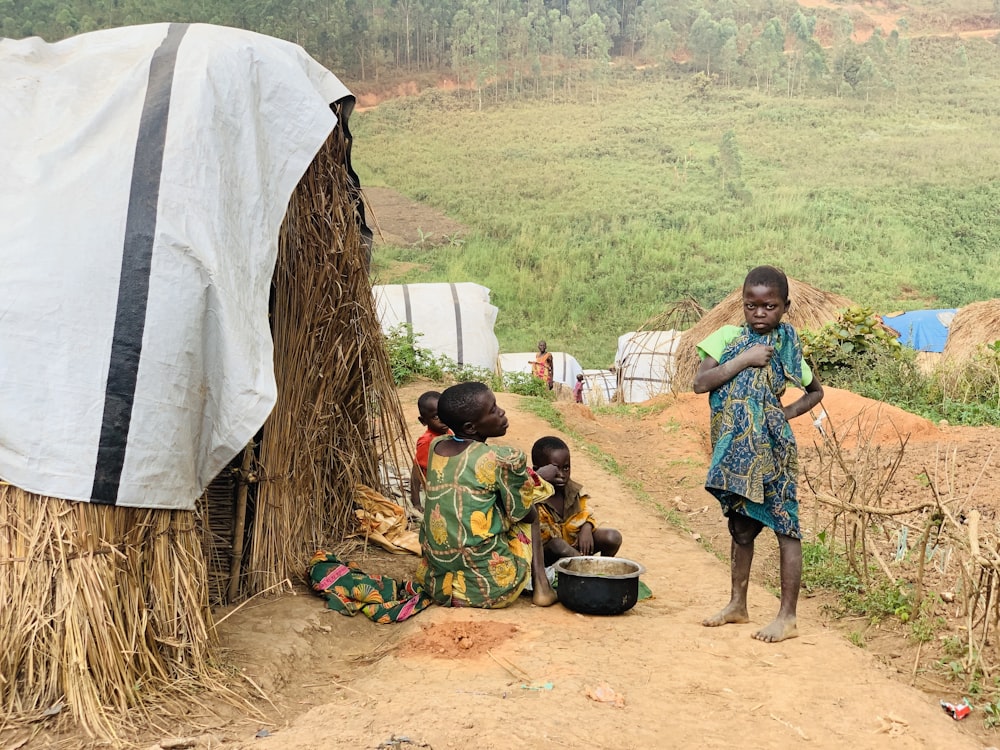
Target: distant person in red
x,y
578,389
427,405
541,365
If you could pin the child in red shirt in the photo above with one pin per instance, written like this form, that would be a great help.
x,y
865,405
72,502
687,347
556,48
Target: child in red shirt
x,y
427,405
578,389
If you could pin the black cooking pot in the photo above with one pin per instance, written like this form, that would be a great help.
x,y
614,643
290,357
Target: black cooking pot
x,y
594,585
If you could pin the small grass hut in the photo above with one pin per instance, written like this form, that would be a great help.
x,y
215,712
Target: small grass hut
x,y
973,327
811,309
108,579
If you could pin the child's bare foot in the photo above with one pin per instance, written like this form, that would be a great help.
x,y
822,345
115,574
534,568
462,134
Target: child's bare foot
x,y
780,630
544,596
730,614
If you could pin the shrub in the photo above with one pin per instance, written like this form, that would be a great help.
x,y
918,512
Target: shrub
x,y
407,360
842,350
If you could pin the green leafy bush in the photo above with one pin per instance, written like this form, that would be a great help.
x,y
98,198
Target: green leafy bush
x,y
840,351
407,360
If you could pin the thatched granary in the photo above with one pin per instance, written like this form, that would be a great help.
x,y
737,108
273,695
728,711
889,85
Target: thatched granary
x,y
108,586
811,309
973,327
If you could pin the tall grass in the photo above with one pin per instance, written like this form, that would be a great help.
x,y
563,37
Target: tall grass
x,y
587,219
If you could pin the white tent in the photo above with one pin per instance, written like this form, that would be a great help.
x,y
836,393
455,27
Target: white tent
x,y
599,387
145,174
645,363
452,320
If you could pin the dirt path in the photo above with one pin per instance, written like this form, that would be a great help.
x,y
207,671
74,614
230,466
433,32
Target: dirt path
x,y
524,677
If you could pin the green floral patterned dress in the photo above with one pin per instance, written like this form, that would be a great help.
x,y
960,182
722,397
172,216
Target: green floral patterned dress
x,y
476,548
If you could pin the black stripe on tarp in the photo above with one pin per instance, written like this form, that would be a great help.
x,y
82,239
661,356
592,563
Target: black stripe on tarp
x,y
408,311
458,324
137,259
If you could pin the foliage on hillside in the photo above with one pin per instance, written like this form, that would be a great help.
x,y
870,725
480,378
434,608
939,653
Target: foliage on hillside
x,y
589,219
531,47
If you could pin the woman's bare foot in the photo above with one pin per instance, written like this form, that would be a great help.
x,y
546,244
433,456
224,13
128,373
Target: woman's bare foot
x,y
780,630
544,596
730,614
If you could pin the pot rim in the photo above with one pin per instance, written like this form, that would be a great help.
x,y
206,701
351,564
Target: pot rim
x,y
559,566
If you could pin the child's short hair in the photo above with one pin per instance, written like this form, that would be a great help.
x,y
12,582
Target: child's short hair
x,y
544,447
427,400
458,403
769,276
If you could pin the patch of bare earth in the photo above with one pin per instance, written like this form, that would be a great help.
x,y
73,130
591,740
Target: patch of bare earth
x,y
397,220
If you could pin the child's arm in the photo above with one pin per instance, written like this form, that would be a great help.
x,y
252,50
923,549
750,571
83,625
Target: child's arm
x,y
416,482
812,396
711,374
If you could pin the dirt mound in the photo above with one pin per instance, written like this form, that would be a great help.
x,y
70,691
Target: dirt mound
x,y
449,639
853,418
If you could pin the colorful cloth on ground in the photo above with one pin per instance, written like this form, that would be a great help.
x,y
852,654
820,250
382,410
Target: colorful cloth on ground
x,y
565,525
543,367
349,590
754,466
476,549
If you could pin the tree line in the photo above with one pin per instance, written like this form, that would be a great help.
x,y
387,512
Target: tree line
x,y
523,47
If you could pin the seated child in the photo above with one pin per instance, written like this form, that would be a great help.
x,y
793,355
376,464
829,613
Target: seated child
x,y
427,405
480,537
568,528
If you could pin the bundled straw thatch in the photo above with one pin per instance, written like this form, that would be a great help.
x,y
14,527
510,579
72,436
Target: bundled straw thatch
x,y
811,309
973,326
103,607
108,607
337,419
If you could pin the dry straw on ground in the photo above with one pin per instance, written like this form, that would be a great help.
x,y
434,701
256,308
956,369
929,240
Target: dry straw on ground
x,y
811,309
112,607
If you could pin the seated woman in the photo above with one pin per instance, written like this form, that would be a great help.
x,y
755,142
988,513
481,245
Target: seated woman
x,y
480,537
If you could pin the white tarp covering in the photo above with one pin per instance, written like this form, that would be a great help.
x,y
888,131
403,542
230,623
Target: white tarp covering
x,y
645,363
145,173
565,368
599,387
452,320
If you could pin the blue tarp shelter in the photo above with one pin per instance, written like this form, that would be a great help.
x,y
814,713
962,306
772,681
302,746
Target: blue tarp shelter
x,y
923,330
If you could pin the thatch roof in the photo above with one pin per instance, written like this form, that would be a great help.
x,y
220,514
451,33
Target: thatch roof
x,y
973,326
811,309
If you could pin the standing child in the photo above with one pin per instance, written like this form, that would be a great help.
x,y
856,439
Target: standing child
x,y
567,526
427,405
542,366
754,465
578,389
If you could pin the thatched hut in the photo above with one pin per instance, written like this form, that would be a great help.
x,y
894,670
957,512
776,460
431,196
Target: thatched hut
x,y
264,336
811,309
973,327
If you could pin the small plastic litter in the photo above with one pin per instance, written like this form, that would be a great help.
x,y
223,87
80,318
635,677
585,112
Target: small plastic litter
x,y
957,711
818,422
537,686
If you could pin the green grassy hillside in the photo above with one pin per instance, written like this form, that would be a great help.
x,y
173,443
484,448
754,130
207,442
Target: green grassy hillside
x,y
598,210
